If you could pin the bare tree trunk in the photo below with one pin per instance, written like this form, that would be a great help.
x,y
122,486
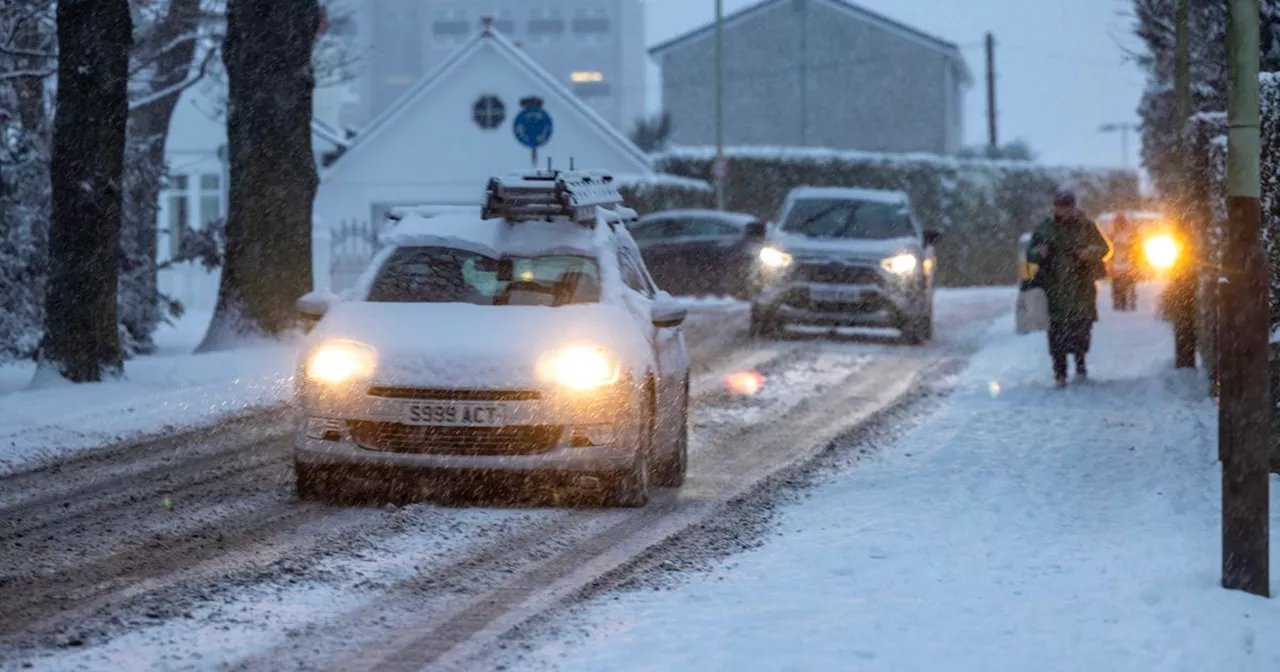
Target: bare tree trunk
x,y
81,338
271,83
148,133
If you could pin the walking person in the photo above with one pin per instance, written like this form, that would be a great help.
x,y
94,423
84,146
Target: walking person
x,y
1071,254
1124,270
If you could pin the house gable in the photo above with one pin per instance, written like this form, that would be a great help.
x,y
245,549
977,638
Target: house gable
x,y
760,10
430,136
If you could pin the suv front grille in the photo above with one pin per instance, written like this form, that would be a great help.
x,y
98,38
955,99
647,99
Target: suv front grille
x,y
837,274
394,437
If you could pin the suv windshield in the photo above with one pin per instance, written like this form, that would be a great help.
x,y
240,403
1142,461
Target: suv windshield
x,y
450,275
845,218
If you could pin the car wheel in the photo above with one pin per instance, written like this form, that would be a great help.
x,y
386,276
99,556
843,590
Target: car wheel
x,y
918,330
670,472
631,487
315,483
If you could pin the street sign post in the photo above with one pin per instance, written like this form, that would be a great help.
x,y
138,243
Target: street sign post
x,y
532,125
719,168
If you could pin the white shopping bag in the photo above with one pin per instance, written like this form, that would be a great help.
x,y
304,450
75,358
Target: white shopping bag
x,y
1032,314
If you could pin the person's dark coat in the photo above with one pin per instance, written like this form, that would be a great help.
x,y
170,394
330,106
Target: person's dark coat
x,y
1073,263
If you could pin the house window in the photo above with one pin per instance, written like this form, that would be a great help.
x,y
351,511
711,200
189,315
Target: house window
x,y
545,26
591,26
179,222
591,88
210,199
503,25
489,112
451,27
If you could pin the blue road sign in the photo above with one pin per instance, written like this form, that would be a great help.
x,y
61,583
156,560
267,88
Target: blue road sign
x,y
532,124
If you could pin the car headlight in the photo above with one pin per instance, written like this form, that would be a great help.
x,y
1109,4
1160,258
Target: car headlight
x,y
337,362
772,257
579,368
1161,251
900,264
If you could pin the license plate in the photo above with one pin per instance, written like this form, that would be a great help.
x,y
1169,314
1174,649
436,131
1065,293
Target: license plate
x,y
444,414
835,295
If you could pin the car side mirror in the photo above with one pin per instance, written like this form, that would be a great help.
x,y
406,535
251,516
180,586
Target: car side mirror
x,y
757,230
667,313
313,305
931,237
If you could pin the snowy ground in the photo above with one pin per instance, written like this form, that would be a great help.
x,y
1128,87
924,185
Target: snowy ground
x,y
165,391
1020,528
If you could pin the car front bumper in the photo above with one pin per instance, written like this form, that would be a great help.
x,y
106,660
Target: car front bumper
x,y
595,436
884,303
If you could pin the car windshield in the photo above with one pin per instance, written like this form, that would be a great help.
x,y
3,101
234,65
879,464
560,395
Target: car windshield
x,y
847,218
450,275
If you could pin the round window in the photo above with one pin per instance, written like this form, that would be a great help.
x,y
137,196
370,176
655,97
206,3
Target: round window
x,y
489,112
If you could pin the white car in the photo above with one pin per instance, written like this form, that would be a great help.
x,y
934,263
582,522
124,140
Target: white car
x,y
525,337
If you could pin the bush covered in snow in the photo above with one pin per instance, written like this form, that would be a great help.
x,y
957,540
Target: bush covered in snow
x,y
980,205
659,191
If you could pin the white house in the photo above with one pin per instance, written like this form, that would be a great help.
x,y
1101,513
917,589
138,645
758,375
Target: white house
x,y
196,193
448,134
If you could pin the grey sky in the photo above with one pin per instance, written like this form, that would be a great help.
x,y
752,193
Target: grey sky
x,y
1061,65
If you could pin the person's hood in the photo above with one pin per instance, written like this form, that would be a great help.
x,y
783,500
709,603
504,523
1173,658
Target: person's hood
x,y
453,345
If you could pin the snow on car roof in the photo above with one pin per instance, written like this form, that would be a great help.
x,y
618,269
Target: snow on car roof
x,y
498,237
851,193
731,217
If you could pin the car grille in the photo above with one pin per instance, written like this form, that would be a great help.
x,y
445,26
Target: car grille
x,y
799,298
837,274
453,395
394,437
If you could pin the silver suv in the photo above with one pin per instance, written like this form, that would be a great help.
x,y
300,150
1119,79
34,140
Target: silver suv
x,y
846,257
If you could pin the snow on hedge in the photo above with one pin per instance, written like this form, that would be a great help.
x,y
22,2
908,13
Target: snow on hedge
x,y
639,182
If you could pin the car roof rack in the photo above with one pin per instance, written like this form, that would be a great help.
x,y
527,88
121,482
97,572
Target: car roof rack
x,y
552,193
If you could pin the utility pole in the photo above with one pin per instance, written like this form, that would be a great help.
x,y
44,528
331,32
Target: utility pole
x,y
802,8
718,169
1245,468
992,139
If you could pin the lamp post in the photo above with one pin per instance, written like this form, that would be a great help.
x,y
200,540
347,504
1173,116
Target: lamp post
x,y
1123,128
718,168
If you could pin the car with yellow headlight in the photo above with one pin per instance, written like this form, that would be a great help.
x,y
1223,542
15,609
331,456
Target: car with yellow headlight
x,y
846,257
525,338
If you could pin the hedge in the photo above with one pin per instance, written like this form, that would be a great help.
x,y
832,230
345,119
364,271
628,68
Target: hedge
x,y
658,191
1208,191
980,205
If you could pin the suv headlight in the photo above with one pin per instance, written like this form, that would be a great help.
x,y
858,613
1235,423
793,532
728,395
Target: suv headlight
x,y
337,362
773,258
901,264
579,368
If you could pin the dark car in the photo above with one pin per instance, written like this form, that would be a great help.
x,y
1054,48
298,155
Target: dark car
x,y
701,252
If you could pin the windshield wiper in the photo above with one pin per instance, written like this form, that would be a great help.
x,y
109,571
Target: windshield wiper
x,y
815,217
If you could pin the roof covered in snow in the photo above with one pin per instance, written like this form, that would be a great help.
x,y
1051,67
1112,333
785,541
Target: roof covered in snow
x,y
480,49
872,18
740,218
852,193
498,237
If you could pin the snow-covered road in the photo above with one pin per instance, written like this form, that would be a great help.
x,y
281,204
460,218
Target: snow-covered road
x,y
1019,528
195,556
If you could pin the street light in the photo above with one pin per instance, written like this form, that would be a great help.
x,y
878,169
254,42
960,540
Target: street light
x,y
718,170
1123,128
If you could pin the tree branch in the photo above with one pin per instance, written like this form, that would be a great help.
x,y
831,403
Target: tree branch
x,y
178,88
